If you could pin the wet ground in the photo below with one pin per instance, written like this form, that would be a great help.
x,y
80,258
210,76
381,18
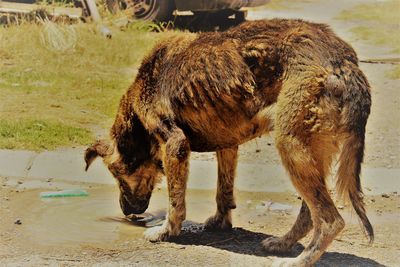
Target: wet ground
x,y
92,230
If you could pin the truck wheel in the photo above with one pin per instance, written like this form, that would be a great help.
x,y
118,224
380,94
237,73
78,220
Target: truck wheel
x,y
155,10
114,5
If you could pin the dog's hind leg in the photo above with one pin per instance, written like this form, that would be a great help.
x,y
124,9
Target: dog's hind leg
x,y
303,224
309,181
227,161
305,138
300,229
175,156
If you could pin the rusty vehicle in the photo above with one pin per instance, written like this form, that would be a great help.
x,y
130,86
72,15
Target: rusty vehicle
x,y
152,10
163,10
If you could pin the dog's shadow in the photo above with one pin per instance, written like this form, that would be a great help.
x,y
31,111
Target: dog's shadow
x,y
242,241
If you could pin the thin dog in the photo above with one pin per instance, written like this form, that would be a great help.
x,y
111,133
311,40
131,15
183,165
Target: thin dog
x,y
215,91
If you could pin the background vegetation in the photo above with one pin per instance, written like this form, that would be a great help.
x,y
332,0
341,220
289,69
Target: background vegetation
x,y
380,26
60,84
67,78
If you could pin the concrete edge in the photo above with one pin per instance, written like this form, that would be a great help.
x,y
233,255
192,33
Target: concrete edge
x,y
68,165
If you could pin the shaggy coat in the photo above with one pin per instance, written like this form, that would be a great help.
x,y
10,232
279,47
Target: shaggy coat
x,y
215,91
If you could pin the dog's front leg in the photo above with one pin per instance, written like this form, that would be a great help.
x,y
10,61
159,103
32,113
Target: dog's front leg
x,y
227,161
176,153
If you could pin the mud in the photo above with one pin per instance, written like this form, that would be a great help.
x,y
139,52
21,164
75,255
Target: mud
x,y
81,230
97,218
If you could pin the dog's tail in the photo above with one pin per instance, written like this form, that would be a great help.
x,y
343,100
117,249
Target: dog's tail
x,y
356,109
348,183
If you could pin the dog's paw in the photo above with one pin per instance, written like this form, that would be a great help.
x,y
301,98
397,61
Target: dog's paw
x,y
276,245
157,233
218,222
288,262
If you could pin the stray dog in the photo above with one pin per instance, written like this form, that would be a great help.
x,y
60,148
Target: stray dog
x,y
215,91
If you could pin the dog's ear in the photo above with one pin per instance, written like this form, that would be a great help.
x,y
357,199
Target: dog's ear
x,y
100,148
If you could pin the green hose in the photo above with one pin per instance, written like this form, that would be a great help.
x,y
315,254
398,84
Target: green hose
x,y
65,193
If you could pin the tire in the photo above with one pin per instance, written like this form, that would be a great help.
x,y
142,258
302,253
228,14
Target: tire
x,y
219,14
155,10
113,5
218,20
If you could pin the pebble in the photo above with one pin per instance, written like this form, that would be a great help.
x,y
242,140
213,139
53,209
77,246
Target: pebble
x,y
263,205
296,196
279,206
268,205
385,195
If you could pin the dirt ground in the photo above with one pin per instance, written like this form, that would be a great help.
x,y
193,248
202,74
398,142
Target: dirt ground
x,y
92,231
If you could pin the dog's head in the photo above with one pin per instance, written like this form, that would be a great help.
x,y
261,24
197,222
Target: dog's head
x,y
136,167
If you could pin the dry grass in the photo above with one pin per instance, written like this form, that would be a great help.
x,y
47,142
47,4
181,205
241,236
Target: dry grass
x,y
395,73
381,25
66,74
284,4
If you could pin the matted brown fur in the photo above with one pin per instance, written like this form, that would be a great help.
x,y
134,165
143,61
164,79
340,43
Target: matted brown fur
x,y
215,91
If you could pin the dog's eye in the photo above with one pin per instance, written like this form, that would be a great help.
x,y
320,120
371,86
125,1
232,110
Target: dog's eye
x,y
159,164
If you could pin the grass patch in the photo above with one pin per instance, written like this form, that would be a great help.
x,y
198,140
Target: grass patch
x,y
68,73
379,36
381,12
284,4
41,135
395,73
381,25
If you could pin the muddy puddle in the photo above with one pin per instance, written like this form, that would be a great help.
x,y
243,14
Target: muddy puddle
x,y
97,218
68,220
